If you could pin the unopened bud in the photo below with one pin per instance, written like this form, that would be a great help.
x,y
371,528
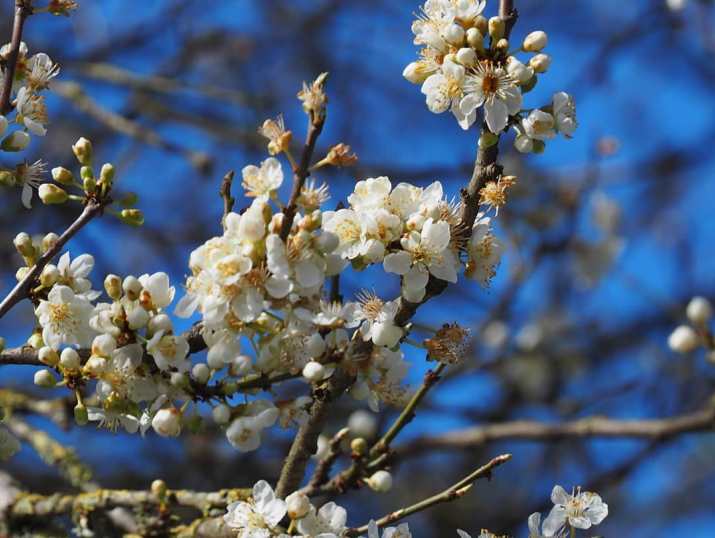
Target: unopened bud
x,y
23,244
113,286
362,424
103,345
314,371
487,140
16,141
467,57
454,34
201,373
50,194
535,41
106,174
94,366
497,27
35,341
359,446
167,422
298,505
48,356
133,217
132,287
683,339
62,175
475,39
381,482
221,414
49,276
7,178
158,488
699,310
82,149
69,359
481,23
502,45
81,416
44,378
540,63
49,241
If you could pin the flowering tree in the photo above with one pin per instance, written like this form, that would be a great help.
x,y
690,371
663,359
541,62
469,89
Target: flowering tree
x,y
267,308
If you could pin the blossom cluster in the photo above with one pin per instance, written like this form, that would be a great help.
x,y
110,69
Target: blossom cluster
x,y
688,337
466,64
264,514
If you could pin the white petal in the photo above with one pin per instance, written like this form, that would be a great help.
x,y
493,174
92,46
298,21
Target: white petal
x,y
397,262
496,115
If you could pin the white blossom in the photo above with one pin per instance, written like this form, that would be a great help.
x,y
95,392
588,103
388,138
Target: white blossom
x,y
264,181
580,510
64,318
258,517
494,88
244,433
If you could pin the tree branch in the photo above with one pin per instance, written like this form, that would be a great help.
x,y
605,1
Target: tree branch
x,y
301,172
23,9
306,440
225,193
451,493
22,289
703,420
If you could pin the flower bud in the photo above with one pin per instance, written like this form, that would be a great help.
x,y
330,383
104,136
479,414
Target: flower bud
x,y
482,24
221,414
7,178
133,217
49,276
699,311
240,366
497,27
178,379
113,286
502,45
454,34
160,322
520,72
52,194
132,287
683,339
475,39
359,446
94,366
158,488
48,356
35,341
167,422
487,139
314,371
62,175
23,244
415,73
201,373
381,482
298,505
16,141
81,416
103,345
44,378
362,424
467,57
89,184
524,144
82,149
137,318
49,241
535,41
106,174
69,359
540,63
327,242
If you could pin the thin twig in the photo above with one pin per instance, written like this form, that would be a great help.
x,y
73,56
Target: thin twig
x,y
451,493
22,289
301,172
698,421
322,469
23,9
306,440
225,193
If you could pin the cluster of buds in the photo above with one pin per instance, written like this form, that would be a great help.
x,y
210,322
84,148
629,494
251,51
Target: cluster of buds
x,y
686,338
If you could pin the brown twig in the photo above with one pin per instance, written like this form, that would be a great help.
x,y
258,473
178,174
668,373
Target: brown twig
x,y
23,9
451,493
322,469
22,289
301,172
698,421
306,440
21,355
225,193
